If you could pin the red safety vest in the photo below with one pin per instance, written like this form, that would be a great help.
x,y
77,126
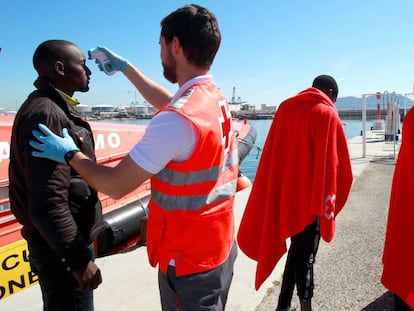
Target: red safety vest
x,y
191,209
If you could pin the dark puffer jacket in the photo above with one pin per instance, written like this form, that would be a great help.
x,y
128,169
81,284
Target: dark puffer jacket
x,y
57,209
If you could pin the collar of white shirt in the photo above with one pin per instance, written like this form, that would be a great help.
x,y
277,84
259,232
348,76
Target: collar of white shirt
x,y
189,83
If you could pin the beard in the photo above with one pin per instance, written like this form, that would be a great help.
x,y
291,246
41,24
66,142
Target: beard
x,y
170,69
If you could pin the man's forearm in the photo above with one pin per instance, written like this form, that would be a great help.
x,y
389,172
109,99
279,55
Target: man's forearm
x,y
115,181
97,176
157,95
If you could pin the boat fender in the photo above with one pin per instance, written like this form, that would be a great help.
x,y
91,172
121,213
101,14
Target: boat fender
x,y
122,225
245,144
242,182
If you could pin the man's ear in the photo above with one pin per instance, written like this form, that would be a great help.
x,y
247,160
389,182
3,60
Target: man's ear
x,y
176,45
60,68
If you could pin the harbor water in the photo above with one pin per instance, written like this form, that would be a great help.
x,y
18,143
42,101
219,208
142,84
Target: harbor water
x,y
249,165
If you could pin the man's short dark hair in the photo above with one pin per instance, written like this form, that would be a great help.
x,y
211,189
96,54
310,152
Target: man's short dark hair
x,y
198,31
48,52
327,84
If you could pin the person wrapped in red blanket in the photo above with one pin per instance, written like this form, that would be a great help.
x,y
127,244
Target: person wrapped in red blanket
x,y
302,182
398,256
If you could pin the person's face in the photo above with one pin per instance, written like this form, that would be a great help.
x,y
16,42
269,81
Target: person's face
x,y
333,96
168,61
76,73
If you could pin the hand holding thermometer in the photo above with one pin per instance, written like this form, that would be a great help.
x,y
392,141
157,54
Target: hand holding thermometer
x,y
102,60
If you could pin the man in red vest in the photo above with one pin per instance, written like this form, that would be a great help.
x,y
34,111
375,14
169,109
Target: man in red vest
x,y
189,152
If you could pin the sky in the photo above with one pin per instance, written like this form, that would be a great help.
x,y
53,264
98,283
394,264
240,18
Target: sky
x,y
270,49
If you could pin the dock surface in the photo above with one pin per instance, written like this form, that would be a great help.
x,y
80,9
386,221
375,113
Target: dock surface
x,y
347,270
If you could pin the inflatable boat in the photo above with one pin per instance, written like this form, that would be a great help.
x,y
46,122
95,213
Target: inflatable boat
x,y
124,218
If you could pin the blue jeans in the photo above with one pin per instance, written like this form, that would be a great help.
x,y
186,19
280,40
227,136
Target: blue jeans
x,y
57,284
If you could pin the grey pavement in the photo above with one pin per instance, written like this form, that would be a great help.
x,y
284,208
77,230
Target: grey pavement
x,y
347,270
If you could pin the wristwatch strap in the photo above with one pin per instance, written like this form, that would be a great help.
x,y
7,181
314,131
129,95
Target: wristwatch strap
x,y
69,155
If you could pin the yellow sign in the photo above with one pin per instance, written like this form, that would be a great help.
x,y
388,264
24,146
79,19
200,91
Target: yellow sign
x,y
15,273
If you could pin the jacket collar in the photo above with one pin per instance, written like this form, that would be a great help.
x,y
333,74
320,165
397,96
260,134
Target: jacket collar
x,y
47,87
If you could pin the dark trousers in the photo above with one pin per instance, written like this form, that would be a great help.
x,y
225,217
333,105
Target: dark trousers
x,y
57,284
400,305
201,291
299,265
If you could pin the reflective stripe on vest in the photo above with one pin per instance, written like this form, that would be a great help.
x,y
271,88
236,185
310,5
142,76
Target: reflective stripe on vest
x,y
195,202
182,179
178,104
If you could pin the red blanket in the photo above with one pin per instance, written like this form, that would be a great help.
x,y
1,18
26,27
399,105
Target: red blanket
x,y
398,257
304,172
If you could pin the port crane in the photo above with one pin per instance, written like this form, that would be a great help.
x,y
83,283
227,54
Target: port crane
x,y
235,101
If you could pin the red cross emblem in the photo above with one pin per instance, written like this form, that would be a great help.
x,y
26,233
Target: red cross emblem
x,y
329,209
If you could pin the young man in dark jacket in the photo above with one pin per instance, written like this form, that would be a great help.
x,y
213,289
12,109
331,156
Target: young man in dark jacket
x,y
59,212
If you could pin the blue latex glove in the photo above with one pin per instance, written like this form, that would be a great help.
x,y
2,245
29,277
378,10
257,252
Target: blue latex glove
x,y
117,61
51,146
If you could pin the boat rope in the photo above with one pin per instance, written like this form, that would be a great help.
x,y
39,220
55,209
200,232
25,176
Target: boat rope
x,y
243,141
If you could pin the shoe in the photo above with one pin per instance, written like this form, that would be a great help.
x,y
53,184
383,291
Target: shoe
x,y
291,308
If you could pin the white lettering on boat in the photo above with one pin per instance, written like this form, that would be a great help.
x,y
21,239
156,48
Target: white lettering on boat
x,y
102,142
112,140
4,150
